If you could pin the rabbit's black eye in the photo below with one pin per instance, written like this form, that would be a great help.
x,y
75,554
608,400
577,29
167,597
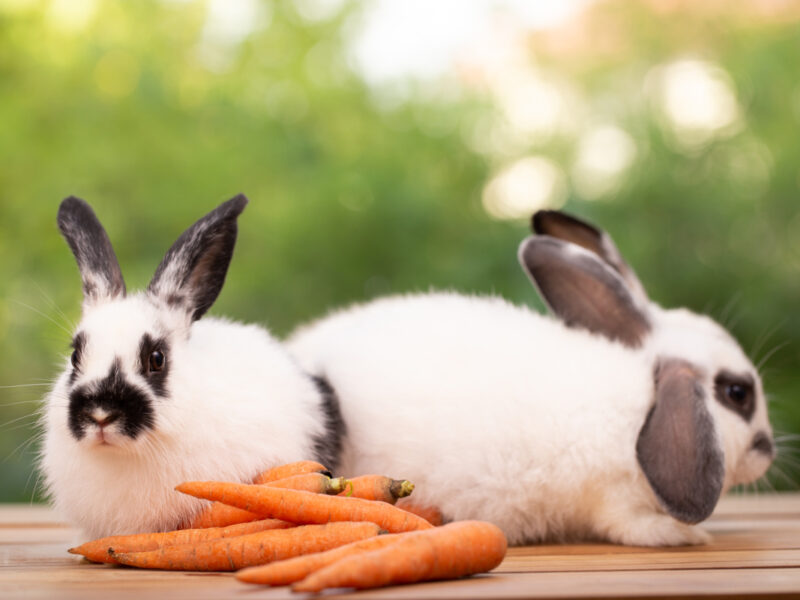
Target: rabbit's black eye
x,y
736,392
153,363
157,360
74,359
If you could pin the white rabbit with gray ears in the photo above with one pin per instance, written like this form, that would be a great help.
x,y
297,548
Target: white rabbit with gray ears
x,y
616,420
153,395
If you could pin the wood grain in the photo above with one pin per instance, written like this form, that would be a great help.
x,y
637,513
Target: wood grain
x,y
755,552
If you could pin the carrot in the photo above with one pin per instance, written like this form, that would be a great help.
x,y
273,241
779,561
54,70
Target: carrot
x,y
430,513
230,554
288,470
378,487
454,550
304,507
284,572
221,515
98,550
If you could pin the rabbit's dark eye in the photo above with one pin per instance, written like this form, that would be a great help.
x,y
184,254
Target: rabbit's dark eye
x,y
736,392
157,360
74,359
153,364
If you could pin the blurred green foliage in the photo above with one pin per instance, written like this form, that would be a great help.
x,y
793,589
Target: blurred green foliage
x,y
354,197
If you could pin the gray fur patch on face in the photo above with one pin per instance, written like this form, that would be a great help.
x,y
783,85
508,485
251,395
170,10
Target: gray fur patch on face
x,y
736,393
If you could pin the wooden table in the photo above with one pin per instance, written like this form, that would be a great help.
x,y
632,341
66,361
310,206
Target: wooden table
x,y
756,551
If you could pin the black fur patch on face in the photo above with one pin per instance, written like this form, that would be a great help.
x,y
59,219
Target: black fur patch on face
x,y
78,344
328,446
123,402
156,378
736,392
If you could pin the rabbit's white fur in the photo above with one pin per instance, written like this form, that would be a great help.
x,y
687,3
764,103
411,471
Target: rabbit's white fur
x,y
237,404
499,413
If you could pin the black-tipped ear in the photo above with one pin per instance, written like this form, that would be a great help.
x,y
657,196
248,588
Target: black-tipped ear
x,y
678,448
583,291
100,272
566,227
193,270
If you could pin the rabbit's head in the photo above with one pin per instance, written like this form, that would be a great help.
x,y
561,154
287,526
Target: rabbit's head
x,y
707,428
122,359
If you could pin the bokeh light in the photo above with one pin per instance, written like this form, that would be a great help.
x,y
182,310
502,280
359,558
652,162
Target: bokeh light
x,y
527,185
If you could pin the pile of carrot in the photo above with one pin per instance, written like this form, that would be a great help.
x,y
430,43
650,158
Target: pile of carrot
x,y
296,525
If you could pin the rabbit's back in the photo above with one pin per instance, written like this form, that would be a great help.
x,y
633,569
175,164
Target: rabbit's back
x,y
493,410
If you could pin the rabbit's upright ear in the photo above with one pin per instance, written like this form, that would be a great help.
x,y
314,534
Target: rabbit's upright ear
x,y
677,448
566,227
583,290
192,272
100,272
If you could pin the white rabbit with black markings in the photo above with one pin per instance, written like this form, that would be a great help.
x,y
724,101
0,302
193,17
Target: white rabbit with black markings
x,y
153,395
616,420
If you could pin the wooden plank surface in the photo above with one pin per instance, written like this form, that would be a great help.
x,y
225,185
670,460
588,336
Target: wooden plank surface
x,y
755,552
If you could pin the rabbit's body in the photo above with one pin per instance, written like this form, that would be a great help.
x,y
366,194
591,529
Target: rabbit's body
x,y
619,421
495,412
153,396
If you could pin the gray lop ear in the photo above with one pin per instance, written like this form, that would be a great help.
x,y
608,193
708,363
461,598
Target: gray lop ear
x,y
583,291
678,448
100,273
192,272
566,227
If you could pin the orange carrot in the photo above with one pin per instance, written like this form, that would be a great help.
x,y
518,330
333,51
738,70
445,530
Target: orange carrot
x,y
284,572
378,487
288,470
230,554
454,550
304,507
98,550
222,515
430,513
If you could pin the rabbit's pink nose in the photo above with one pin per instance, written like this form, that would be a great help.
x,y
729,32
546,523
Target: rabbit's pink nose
x,y
103,418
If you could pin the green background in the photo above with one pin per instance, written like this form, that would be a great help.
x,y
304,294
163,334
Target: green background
x,y
353,196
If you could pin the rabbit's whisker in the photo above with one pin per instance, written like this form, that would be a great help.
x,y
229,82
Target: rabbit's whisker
x,y
769,354
46,316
